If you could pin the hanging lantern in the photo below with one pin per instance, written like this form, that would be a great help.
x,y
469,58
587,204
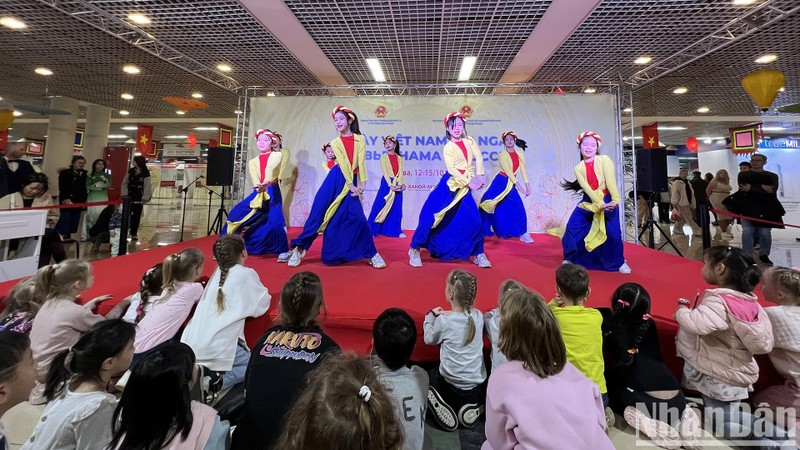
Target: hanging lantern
x,y
192,140
692,144
762,86
6,118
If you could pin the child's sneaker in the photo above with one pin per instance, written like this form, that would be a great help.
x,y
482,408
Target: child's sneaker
x,y
296,257
442,412
414,259
284,257
526,238
469,414
482,261
660,433
377,261
611,419
624,268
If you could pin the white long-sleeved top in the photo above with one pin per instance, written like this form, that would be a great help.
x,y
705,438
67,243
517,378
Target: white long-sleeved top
x,y
461,365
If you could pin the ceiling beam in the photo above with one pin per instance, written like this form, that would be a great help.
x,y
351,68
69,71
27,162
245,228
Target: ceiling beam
x,y
279,20
644,120
133,121
557,24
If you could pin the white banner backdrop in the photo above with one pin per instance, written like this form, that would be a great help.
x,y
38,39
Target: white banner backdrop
x,y
548,123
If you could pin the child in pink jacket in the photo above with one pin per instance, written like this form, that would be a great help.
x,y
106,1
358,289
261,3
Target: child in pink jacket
x,y
718,339
782,286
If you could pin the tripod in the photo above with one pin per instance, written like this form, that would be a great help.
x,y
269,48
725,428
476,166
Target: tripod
x,y
185,190
649,227
222,213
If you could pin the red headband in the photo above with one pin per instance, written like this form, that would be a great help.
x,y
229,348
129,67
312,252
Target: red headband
x,y
278,135
508,133
348,112
452,115
589,133
325,145
267,132
390,138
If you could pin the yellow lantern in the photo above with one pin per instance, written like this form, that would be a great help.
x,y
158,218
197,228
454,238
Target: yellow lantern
x,y
6,119
762,86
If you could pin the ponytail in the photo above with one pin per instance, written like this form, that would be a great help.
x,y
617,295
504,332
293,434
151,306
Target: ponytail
x,y
181,267
227,250
470,328
57,375
464,286
56,281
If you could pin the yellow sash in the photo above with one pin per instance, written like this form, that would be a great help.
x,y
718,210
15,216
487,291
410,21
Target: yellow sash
x,y
255,204
386,208
490,204
440,215
597,233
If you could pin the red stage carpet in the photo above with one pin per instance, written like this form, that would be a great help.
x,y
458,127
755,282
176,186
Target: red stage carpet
x,y
356,293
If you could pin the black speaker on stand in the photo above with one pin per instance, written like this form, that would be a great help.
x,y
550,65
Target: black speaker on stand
x,y
219,172
651,177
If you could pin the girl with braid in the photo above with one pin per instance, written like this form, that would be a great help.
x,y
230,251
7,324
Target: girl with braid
x,y
455,394
640,386
281,361
234,293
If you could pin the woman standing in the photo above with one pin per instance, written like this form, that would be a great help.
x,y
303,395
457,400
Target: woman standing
x,y
337,206
259,217
386,217
718,190
449,222
136,185
501,206
593,237
71,190
97,183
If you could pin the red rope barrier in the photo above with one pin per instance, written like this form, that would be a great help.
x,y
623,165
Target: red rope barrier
x,y
739,216
74,205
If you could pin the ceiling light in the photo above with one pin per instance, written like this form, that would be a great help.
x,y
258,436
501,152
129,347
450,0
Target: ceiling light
x,y
680,90
127,96
43,71
131,69
783,89
627,110
139,19
642,60
176,136
743,2
1,99
118,136
270,94
130,128
180,112
668,128
12,22
123,112
197,95
205,128
224,67
375,68
766,58
589,90
706,141
703,109
466,68
238,111
772,128
17,113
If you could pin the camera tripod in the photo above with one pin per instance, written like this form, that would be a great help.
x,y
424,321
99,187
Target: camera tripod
x,y
653,224
222,214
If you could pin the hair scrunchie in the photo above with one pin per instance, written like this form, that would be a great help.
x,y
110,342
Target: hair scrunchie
x,y
365,393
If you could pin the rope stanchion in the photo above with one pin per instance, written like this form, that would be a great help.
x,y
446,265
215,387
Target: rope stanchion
x,y
754,219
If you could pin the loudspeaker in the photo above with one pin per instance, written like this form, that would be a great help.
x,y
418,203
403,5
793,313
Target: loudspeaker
x,y
219,167
651,170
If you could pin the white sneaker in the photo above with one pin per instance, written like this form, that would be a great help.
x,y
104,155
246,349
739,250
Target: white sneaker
x,y
566,261
624,268
296,257
401,235
414,259
482,261
377,262
526,238
283,257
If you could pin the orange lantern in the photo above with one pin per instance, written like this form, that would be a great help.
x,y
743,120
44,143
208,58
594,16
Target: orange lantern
x,y
692,144
762,86
6,118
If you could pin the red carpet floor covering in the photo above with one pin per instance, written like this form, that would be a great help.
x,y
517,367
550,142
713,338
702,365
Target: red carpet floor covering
x,y
356,293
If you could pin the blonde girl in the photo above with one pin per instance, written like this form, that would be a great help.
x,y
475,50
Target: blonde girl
x,y
179,294
234,293
718,190
455,392
61,320
491,320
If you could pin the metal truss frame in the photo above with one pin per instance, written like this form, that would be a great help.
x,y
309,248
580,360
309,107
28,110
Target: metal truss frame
x,y
734,31
432,89
95,16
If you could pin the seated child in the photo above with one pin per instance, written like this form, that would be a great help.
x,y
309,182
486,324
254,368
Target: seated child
x,y
393,338
491,321
20,307
149,292
17,373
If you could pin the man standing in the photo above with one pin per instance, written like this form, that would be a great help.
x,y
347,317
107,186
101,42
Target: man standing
x,y
760,201
683,201
699,185
17,170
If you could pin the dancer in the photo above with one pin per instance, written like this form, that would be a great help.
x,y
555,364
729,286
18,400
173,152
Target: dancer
x,y
593,238
337,205
449,223
386,217
330,158
501,206
259,217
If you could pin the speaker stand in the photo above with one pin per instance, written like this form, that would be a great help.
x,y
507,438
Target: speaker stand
x,y
221,217
653,224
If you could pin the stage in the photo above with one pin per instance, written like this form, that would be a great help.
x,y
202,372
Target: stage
x,y
356,293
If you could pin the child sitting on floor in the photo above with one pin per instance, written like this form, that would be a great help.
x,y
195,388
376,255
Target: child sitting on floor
x,y
149,293
17,373
491,321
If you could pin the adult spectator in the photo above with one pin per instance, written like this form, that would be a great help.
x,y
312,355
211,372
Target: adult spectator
x,y
664,199
97,184
136,185
71,190
744,166
3,173
683,201
34,194
760,201
699,185
718,190
17,169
